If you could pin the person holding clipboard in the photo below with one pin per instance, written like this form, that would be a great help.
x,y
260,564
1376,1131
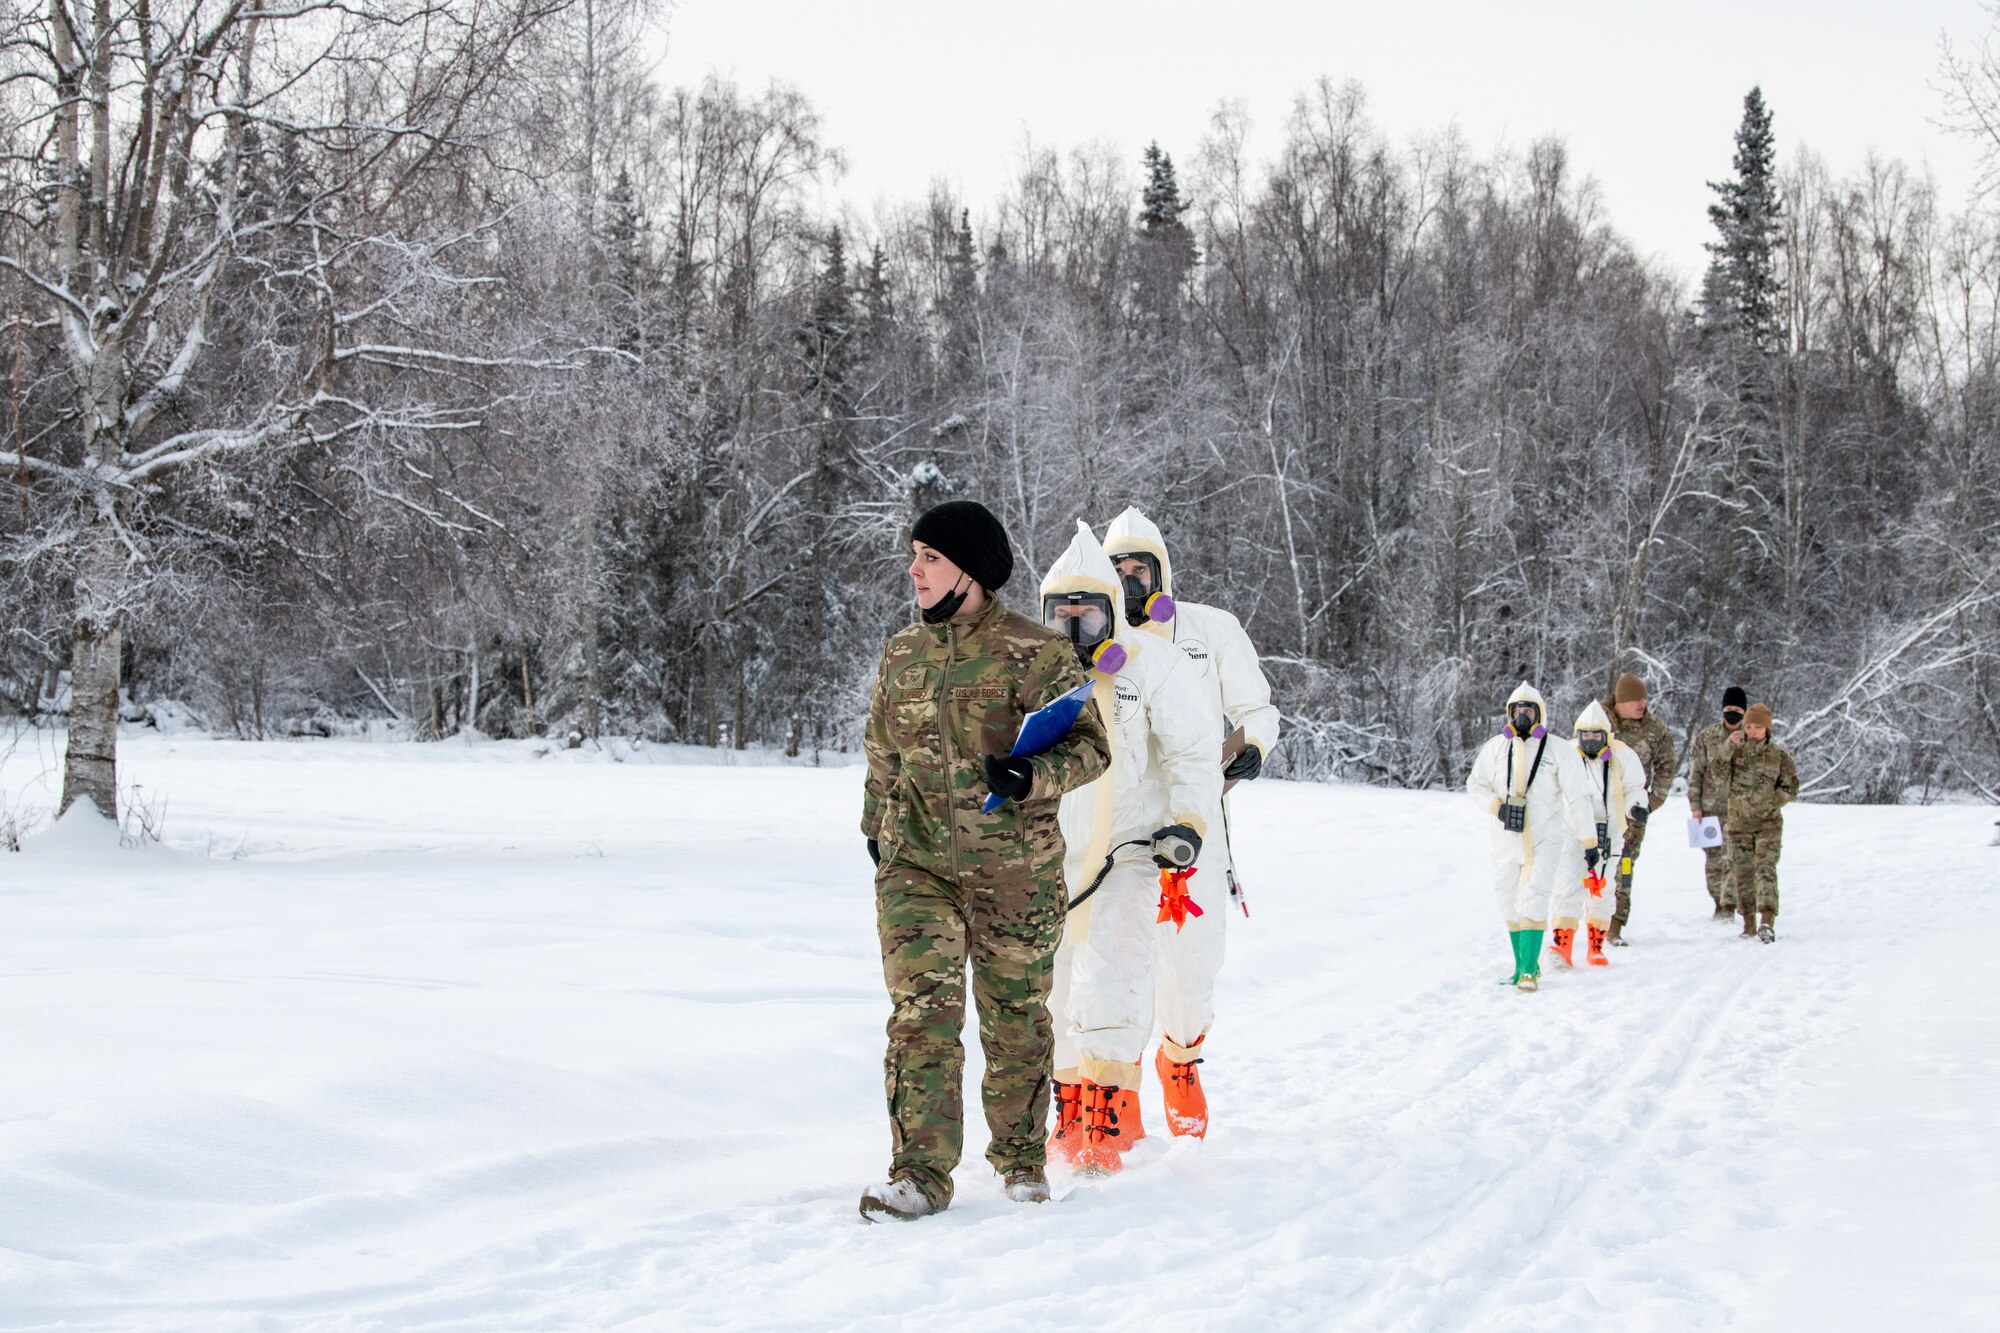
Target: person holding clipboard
x,y
957,884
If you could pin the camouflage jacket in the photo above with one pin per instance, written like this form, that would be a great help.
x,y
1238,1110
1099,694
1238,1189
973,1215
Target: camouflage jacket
x,y
1708,770
944,696
1649,740
1762,779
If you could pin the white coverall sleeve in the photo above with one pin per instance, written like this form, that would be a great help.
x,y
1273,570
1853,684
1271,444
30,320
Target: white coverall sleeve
x,y
1487,777
1633,774
1182,722
1246,694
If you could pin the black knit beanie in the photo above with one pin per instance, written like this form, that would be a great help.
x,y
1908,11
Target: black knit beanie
x,y
1734,697
966,533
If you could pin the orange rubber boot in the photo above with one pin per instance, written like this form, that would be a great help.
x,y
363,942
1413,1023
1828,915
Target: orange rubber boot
x,y
1560,946
1180,1085
1125,1101
1098,1154
1067,1139
1597,958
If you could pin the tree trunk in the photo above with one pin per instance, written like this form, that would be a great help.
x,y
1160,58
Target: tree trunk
x,y
470,720
90,768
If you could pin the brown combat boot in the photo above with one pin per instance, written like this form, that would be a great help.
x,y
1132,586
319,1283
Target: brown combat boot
x,y
1749,922
1768,930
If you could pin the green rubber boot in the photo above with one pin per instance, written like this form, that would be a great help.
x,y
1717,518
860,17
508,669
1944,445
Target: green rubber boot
x,y
1531,956
1515,937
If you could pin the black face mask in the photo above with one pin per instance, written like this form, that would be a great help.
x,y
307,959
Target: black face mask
x,y
945,607
1136,593
1138,589
1732,718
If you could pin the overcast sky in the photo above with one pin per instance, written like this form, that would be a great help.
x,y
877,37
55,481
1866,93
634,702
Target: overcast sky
x,y
917,89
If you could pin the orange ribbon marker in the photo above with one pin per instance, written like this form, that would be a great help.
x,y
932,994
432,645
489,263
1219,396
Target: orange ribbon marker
x,y
1595,883
1175,904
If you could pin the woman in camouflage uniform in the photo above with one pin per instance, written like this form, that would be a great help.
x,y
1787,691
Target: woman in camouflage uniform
x,y
954,884
1760,781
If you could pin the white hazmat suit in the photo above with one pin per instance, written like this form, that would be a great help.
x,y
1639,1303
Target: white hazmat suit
x,y
1164,771
1606,779
1237,695
1545,771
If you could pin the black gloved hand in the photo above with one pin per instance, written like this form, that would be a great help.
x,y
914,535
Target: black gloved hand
x,y
1168,851
1640,814
1010,778
875,851
1590,858
1245,766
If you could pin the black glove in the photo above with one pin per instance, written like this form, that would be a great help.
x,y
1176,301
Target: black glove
x,y
875,851
1175,847
1245,766
1010,778
1640,814
1590,858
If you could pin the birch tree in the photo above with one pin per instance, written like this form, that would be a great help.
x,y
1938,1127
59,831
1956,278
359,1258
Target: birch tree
x,y
163,150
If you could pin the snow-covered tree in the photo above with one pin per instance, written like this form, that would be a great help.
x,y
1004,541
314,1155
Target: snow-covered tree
x,y
1743,290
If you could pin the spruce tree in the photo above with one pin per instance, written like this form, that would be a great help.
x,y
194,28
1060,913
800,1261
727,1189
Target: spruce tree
x,y
1742,286
629,269
961,315
1161,204
825,338
1166,246
878,303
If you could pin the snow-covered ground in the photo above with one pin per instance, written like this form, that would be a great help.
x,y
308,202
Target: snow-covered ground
x,y
453,1037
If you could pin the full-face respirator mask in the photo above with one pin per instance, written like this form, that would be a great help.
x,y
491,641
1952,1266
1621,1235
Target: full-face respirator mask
x,y
1085,619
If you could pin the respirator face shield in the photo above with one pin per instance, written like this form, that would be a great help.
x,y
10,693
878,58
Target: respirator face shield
x,y
1139,576
1592,743
1524,717
1084,618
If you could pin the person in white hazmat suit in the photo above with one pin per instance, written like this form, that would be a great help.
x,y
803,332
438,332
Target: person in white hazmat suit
x,y
1532,784
1238,695
1154,808
1613,778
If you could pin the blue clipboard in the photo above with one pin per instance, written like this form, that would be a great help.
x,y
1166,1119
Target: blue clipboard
x,y
1041,729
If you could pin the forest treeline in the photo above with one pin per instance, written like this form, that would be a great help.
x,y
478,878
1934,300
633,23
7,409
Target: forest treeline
x,y
368,361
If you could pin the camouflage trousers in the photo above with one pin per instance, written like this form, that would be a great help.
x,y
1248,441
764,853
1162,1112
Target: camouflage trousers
x,y
1753,855
1721,876
1635,834
931,928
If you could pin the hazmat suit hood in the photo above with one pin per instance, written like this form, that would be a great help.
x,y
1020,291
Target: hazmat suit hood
x,y
1594,718
1526,693
1083,567
1133,531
